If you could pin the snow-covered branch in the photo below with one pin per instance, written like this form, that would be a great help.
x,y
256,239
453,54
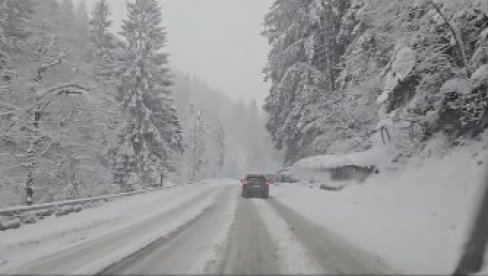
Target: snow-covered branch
x,y
7,129
456,34
64,89
43,67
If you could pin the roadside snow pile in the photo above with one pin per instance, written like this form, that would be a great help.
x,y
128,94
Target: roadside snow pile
x,y
417,219
54,235
16,216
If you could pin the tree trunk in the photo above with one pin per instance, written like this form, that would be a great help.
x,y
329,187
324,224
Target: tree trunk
x,y
161,178
457,37
31,155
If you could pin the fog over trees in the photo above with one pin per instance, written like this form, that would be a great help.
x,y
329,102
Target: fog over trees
x,y
222,137
85,111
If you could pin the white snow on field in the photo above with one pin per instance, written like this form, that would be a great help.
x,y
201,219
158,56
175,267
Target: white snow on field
x,y
416,219
295,259
53,235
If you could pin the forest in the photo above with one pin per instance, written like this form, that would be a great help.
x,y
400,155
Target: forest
x,y
347,75
263,137
87,111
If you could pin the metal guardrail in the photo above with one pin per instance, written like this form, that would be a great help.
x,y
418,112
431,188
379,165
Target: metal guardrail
x,y
16,210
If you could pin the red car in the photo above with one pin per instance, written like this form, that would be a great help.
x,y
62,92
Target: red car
x,y
255,185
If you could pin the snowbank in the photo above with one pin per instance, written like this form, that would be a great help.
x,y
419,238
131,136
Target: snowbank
x,y
19,247
416,219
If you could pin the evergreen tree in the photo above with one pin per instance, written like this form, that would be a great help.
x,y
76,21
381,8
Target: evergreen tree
x,y
219,140
153,131
102,38
302,66
82,32
342,69
81,14
82,20
68,8
196,146
14,18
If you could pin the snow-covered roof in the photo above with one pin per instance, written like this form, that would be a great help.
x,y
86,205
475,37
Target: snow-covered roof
x,y
365,158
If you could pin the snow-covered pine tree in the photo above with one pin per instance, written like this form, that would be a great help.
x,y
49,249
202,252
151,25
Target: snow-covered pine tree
x,y
215,147
330,60
4,42
77,134
306,47
14,17
196,145
68,8
219,144
227,143
104,60
82,28
102,38
81,16
153,131
290,69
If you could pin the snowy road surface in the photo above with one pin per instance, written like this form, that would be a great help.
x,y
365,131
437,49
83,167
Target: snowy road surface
x,y
204,228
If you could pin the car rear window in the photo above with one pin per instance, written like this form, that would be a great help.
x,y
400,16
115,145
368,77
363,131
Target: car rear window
x,y
256,178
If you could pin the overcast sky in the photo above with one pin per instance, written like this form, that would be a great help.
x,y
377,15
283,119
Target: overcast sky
x,y
216,40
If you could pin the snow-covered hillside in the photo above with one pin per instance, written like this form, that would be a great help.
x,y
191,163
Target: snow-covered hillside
x,y
416,218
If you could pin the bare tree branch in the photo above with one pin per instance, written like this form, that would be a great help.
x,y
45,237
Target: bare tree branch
x,y
5,132
65,89
16,157
46,151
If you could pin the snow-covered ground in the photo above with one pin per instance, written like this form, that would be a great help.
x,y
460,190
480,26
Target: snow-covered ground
x,y
416,219
294,258
59,234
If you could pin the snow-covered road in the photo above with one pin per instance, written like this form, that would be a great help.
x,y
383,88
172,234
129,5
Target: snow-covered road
x,y
249,236
89,241
193,229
